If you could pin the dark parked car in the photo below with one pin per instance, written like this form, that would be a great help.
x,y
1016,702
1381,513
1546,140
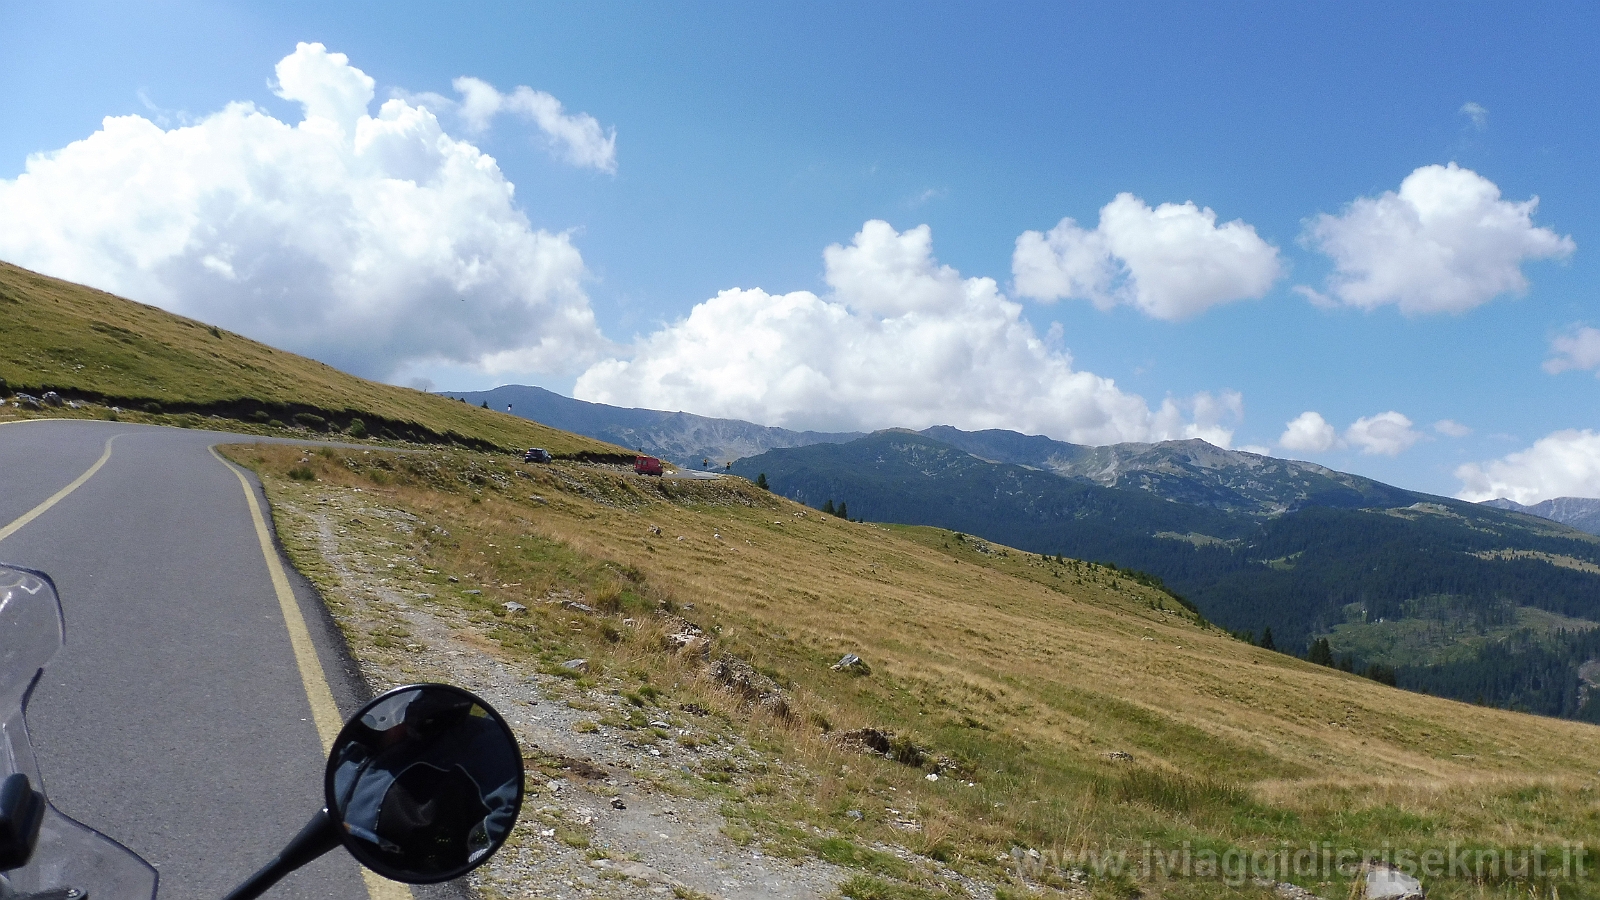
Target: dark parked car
x,y
537,454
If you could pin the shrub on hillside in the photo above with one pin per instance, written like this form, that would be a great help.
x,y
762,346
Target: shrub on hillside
x,y
356,429
311,421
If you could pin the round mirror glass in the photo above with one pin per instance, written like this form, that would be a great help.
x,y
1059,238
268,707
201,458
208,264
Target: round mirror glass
x,y
424,783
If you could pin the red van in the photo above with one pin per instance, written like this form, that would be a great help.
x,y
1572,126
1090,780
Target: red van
x,y
647,465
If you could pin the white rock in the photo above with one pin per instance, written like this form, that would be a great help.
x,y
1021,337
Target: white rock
x,y
1387,883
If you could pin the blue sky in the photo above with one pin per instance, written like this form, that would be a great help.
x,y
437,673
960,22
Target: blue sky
x,y
746,140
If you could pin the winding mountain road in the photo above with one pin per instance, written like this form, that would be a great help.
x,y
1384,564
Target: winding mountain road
x,y
187,714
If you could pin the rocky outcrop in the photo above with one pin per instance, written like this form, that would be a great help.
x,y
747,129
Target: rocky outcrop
x,y
1388,883
740,678
852,664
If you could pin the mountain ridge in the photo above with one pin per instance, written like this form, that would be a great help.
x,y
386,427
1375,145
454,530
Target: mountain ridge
x,y
1582,513
685,439
1188,471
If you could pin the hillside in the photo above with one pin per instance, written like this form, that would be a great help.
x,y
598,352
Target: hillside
x,y
89,345
1464,573
1027,704
688,440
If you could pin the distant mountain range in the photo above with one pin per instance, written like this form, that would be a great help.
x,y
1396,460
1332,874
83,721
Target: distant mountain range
x,y
685,439
1582,513
1191,471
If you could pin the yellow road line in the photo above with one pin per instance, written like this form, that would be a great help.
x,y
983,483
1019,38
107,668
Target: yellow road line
x,y
58,496
323,710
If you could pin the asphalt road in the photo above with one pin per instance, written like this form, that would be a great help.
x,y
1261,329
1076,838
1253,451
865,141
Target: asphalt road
x,y
175,719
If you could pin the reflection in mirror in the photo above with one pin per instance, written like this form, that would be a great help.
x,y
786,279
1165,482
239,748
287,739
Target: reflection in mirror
x,y
425,783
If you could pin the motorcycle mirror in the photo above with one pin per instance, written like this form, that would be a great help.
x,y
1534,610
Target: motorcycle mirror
x,y
423,784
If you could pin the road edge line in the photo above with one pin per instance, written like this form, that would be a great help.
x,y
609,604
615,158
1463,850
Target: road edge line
x,y
17,524
324,712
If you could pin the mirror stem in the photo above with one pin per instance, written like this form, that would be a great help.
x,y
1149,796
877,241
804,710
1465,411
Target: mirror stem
x,y
318,837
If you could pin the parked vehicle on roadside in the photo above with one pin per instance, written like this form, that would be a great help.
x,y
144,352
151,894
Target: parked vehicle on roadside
x,y
536,455
647,465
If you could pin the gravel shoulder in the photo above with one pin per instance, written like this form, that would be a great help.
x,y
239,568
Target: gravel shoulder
x,y
605,815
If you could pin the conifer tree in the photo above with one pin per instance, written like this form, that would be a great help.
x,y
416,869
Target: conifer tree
x,y
827,507
844,510
1266,640
1321,653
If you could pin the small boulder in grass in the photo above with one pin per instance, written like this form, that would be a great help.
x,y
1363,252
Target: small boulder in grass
x,y
1385,882
581,666
513,608
852,664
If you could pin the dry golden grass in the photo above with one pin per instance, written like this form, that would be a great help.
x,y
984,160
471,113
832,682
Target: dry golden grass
x,y
1025,674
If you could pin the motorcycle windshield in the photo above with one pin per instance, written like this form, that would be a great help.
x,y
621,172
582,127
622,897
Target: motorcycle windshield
x,y
69,855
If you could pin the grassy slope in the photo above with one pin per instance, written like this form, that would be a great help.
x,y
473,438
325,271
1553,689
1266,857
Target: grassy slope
x,y
89,344
1029,672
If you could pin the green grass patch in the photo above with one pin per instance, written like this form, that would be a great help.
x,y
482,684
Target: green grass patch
x,y
866,887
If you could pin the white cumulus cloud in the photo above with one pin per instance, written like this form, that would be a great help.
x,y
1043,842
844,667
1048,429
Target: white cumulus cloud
x,y
899,340
577,138
1579,348
1385,434
1445,242
1451,428
1477,113
1172,262
1562,464
1308,432
372,242
1212,416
